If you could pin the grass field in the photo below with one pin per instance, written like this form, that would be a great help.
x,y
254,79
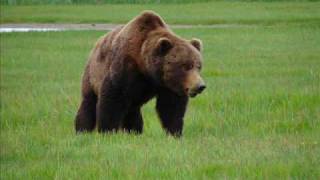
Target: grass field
x,y
197,13
99,2
259,117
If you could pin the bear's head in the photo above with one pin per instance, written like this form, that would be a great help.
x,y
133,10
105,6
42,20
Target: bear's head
x,y
175,63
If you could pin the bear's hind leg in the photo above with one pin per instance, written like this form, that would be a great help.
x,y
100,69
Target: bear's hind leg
x,y
133,122
86,116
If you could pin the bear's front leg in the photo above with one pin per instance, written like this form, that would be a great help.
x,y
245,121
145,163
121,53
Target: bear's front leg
x,y
171,109
112,106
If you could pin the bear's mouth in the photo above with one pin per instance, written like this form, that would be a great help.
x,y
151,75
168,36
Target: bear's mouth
x,y
190,93
193,94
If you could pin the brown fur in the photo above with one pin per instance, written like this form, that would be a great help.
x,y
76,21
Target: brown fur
x,y
132,64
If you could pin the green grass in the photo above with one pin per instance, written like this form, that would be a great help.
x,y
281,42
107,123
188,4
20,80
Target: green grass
x,y
76,2
197,13
259,117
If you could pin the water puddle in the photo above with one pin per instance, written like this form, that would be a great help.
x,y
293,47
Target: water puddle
x,y
8,30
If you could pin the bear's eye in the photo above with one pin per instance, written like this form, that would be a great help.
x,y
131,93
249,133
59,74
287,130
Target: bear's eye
x,y
188,67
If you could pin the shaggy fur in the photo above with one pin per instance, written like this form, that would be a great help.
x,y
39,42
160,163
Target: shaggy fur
x,y
132,64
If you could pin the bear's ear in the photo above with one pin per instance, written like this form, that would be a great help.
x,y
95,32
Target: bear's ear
x,y
196,43
163,46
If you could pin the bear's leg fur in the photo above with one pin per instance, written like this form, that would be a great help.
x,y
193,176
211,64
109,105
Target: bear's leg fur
x,y
171,108
86,116
133,122
112,107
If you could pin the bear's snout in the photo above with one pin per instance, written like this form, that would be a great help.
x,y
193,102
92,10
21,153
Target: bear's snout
x,y
201,87
197,87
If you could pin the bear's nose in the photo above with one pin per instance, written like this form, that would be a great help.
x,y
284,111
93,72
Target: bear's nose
x,y
201,87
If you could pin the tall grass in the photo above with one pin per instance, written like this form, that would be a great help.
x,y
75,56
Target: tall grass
x,y
259,117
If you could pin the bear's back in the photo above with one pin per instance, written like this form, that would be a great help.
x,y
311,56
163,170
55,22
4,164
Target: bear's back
x,y
125,41
99,61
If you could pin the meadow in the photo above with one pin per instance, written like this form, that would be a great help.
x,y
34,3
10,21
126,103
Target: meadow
x,y
191,13
259,117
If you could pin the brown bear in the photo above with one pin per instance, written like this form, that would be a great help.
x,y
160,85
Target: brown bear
x,y
132,64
